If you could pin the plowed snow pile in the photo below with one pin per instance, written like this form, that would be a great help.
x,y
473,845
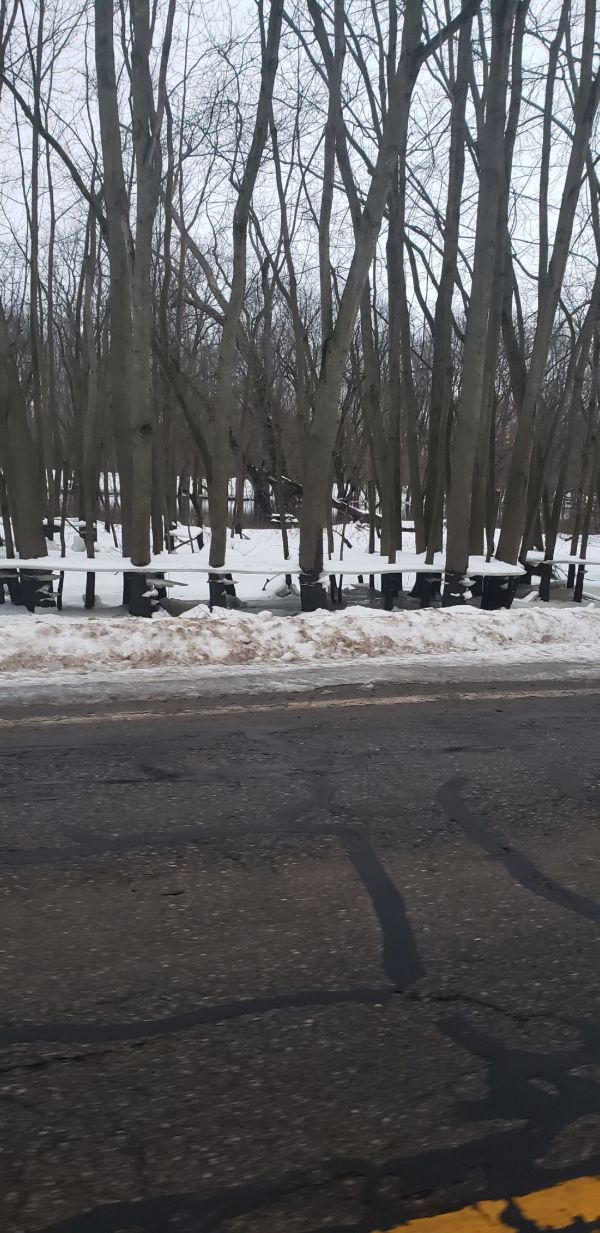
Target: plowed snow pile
x,y
50,643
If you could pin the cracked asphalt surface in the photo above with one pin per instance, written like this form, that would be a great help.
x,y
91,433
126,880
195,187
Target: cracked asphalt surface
x,y
279,967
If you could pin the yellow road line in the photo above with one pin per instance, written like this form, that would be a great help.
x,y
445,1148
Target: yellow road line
x,y
298,704
562,1205
558,1207
478,1219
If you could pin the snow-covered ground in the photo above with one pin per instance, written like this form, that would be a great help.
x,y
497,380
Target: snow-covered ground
x,y
47,643
271,630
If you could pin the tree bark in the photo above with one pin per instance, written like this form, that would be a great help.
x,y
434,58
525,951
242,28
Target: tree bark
x,y
19,456
120,256
441,371
466,422
225,381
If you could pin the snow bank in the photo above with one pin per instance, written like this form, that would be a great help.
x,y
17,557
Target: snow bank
x,y
51,643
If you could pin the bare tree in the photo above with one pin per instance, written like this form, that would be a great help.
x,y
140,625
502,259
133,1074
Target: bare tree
x,y
466,421
225,385
551,277
321,435
130,264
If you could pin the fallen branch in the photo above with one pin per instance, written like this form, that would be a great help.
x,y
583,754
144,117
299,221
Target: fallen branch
x,y
354,513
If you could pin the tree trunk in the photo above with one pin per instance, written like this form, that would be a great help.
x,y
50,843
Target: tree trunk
x,y
441,372
466,422
225,382
19,456
120,254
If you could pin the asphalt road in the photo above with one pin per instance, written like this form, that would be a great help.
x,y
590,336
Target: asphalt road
x,y
326,962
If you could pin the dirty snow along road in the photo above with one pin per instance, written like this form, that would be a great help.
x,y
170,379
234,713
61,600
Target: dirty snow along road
x,y
50,644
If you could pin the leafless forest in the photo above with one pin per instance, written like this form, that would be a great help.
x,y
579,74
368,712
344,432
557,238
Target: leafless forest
x,y
344,251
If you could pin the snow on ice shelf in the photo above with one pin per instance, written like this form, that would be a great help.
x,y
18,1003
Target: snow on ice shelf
x,y
414,563
563,558
165,563
196,563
